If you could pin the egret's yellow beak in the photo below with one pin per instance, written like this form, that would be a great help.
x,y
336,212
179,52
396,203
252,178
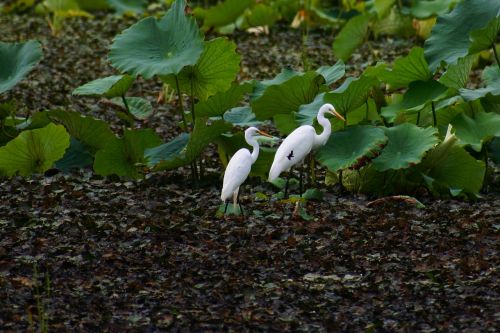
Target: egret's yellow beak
x,y
265,134
336,114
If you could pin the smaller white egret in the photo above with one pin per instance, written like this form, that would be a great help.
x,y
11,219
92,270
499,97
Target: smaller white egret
x,y
294,149
239,167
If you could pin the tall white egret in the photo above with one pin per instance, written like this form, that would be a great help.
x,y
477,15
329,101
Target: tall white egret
x,y
294,149
239,167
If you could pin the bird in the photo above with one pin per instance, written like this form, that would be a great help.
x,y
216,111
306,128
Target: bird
x,y
298,144
239,167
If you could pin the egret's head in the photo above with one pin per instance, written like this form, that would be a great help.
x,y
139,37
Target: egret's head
x,y
328,108
253,131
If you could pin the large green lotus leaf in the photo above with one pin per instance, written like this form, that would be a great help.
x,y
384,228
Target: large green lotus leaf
x,y
241,116
228,144
421,92
261,86
204,133
457,74
382,7
450,37
366,113
351,37
219,103
125,157
16,60
214,72
76,157
345,148
169,155
139,107
411,68
308,112
177,153
423,9
351,94
262,15
491,75
449,165
151,47
332,73
483,39
222,14
127,6
111,86
394,24
34,151
406,145
475,132
93,133
287,97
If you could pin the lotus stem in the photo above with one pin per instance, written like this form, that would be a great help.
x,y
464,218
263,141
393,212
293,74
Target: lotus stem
x,y
434,119
125,103
181,106
193,115
496,55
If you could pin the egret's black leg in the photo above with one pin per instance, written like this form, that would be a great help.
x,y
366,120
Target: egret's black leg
x,y
238,199
300,180
225,209
287,181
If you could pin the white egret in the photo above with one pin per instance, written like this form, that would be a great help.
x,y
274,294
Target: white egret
x,y
239,167
294,149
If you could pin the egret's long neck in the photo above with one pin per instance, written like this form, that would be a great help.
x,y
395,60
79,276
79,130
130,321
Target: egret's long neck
x,y
320,140
252,142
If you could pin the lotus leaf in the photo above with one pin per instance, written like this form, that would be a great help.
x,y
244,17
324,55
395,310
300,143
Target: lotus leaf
x,y
34,151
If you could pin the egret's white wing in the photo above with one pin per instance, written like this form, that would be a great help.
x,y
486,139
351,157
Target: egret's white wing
x,y
292,150
237,171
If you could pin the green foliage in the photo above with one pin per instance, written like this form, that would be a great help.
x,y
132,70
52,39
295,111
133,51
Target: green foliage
x,y
286,93
262,15
332,74
127,6
449,167
222,14
346,148
405,70
457,75
351,94
406,145
475,131
138,107
423,9
93,133
169,155
33,151
158,47
491,75
214,72
241,116
17,60
76,157
484,38
450,38
420,93
219,103
352,35
125,156
110,86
